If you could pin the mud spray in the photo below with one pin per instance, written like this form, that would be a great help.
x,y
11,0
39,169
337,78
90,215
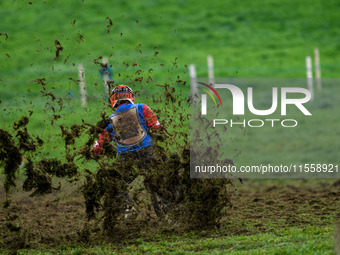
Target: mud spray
x,y
127,197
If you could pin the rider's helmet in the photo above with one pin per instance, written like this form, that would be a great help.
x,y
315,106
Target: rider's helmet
x,y
121,93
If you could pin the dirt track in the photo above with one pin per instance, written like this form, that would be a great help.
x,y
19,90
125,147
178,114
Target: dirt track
x,y
267,205
258,206
53,219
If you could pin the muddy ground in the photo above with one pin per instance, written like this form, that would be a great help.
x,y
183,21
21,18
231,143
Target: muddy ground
x,y
258,206
268,205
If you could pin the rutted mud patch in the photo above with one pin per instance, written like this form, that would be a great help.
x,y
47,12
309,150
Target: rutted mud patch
x,y
54,219
267,205
59,218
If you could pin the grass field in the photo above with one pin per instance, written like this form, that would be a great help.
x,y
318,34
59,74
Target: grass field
x,y
258,39
309,240
149,43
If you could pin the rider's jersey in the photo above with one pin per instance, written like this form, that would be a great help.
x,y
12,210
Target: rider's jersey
x,y
129,128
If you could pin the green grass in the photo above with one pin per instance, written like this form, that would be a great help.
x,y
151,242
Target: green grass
x,y
247,39
303,240
267,39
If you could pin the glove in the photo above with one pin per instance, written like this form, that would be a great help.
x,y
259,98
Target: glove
x,y
97,148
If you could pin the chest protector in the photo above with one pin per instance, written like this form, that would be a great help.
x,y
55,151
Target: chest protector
x,y
127,127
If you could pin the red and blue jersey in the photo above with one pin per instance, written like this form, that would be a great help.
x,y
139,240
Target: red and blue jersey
x,y
147,119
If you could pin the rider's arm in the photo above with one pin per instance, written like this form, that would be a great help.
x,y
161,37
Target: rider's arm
x,y
97,148
151,118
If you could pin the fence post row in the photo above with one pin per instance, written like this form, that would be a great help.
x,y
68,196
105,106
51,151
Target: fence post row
x,y
193,76
309,72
